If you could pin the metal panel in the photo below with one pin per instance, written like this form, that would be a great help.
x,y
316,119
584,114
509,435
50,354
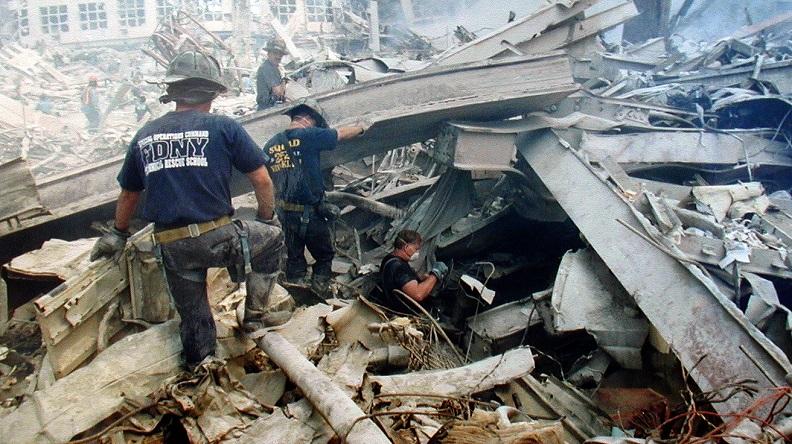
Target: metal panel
x,y
776,223
586,296
681,147
516,32
483,152
711,251
629,113
691,316
148,290
580,30
75,188
70,193
779,73
503,327
553,398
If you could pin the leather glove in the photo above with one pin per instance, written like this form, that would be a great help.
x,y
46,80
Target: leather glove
x,y
274,221
439,270
111,244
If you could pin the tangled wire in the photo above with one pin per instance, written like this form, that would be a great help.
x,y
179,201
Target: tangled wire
x,y
692,422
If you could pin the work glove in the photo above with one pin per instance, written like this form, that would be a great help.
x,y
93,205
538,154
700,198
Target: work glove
x,y
365,124
439,270
111,244
329,211
274,221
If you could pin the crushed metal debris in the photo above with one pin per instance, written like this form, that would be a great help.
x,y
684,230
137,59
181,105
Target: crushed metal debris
x,y
611,192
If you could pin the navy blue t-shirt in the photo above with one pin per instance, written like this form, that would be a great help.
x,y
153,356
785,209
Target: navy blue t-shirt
x,y
294,163
184,159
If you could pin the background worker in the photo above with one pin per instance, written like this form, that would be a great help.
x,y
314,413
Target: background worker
x,y
270,87
397,274
45,104
90,104
294,167
184,160
141,108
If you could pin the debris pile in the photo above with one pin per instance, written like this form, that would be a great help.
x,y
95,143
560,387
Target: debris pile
x,y
42,118
617,220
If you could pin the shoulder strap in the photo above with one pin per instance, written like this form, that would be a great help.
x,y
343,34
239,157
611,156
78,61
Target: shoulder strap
x,y
388,262
389,297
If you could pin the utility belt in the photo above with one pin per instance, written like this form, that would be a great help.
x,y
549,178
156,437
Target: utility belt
x,y
294,207
238,271
189,231
323,209
304,210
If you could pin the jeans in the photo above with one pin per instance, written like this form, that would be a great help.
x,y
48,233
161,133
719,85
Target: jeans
x,y
92,115
187,260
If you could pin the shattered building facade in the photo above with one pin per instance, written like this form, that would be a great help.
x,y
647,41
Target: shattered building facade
x,y
98,22
105,21
614,205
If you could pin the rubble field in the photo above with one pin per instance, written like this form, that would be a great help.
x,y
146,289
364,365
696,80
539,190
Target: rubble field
x,y
609,184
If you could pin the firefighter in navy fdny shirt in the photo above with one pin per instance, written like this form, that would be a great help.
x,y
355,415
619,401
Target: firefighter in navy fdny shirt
x,y
184,161
294,166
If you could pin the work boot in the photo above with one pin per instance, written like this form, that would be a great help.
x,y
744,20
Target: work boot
x,y
255,320
320,284
295,280
258,314
193,367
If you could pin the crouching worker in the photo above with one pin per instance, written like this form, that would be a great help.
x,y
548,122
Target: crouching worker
x,y
184,159
398,275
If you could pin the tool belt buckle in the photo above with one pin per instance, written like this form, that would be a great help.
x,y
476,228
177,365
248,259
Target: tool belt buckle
x,y
194,230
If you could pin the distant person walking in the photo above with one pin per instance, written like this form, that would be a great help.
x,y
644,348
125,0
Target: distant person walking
x,y
90,104
45,104
141,108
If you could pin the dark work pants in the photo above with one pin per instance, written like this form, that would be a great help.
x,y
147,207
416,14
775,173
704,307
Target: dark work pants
x,y
318,240
186,262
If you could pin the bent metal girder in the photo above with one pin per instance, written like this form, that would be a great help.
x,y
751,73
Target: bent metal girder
x,y
711,337
402,109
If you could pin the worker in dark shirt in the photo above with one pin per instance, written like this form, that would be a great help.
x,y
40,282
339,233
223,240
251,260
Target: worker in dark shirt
x,y
184,160
270,88
294,166
397,274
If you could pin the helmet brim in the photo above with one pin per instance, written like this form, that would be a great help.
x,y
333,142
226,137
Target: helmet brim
x,y
178,78
320,121
318,118
173,79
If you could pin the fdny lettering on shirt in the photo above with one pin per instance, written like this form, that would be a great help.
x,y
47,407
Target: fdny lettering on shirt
x,y
174,150
282,156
